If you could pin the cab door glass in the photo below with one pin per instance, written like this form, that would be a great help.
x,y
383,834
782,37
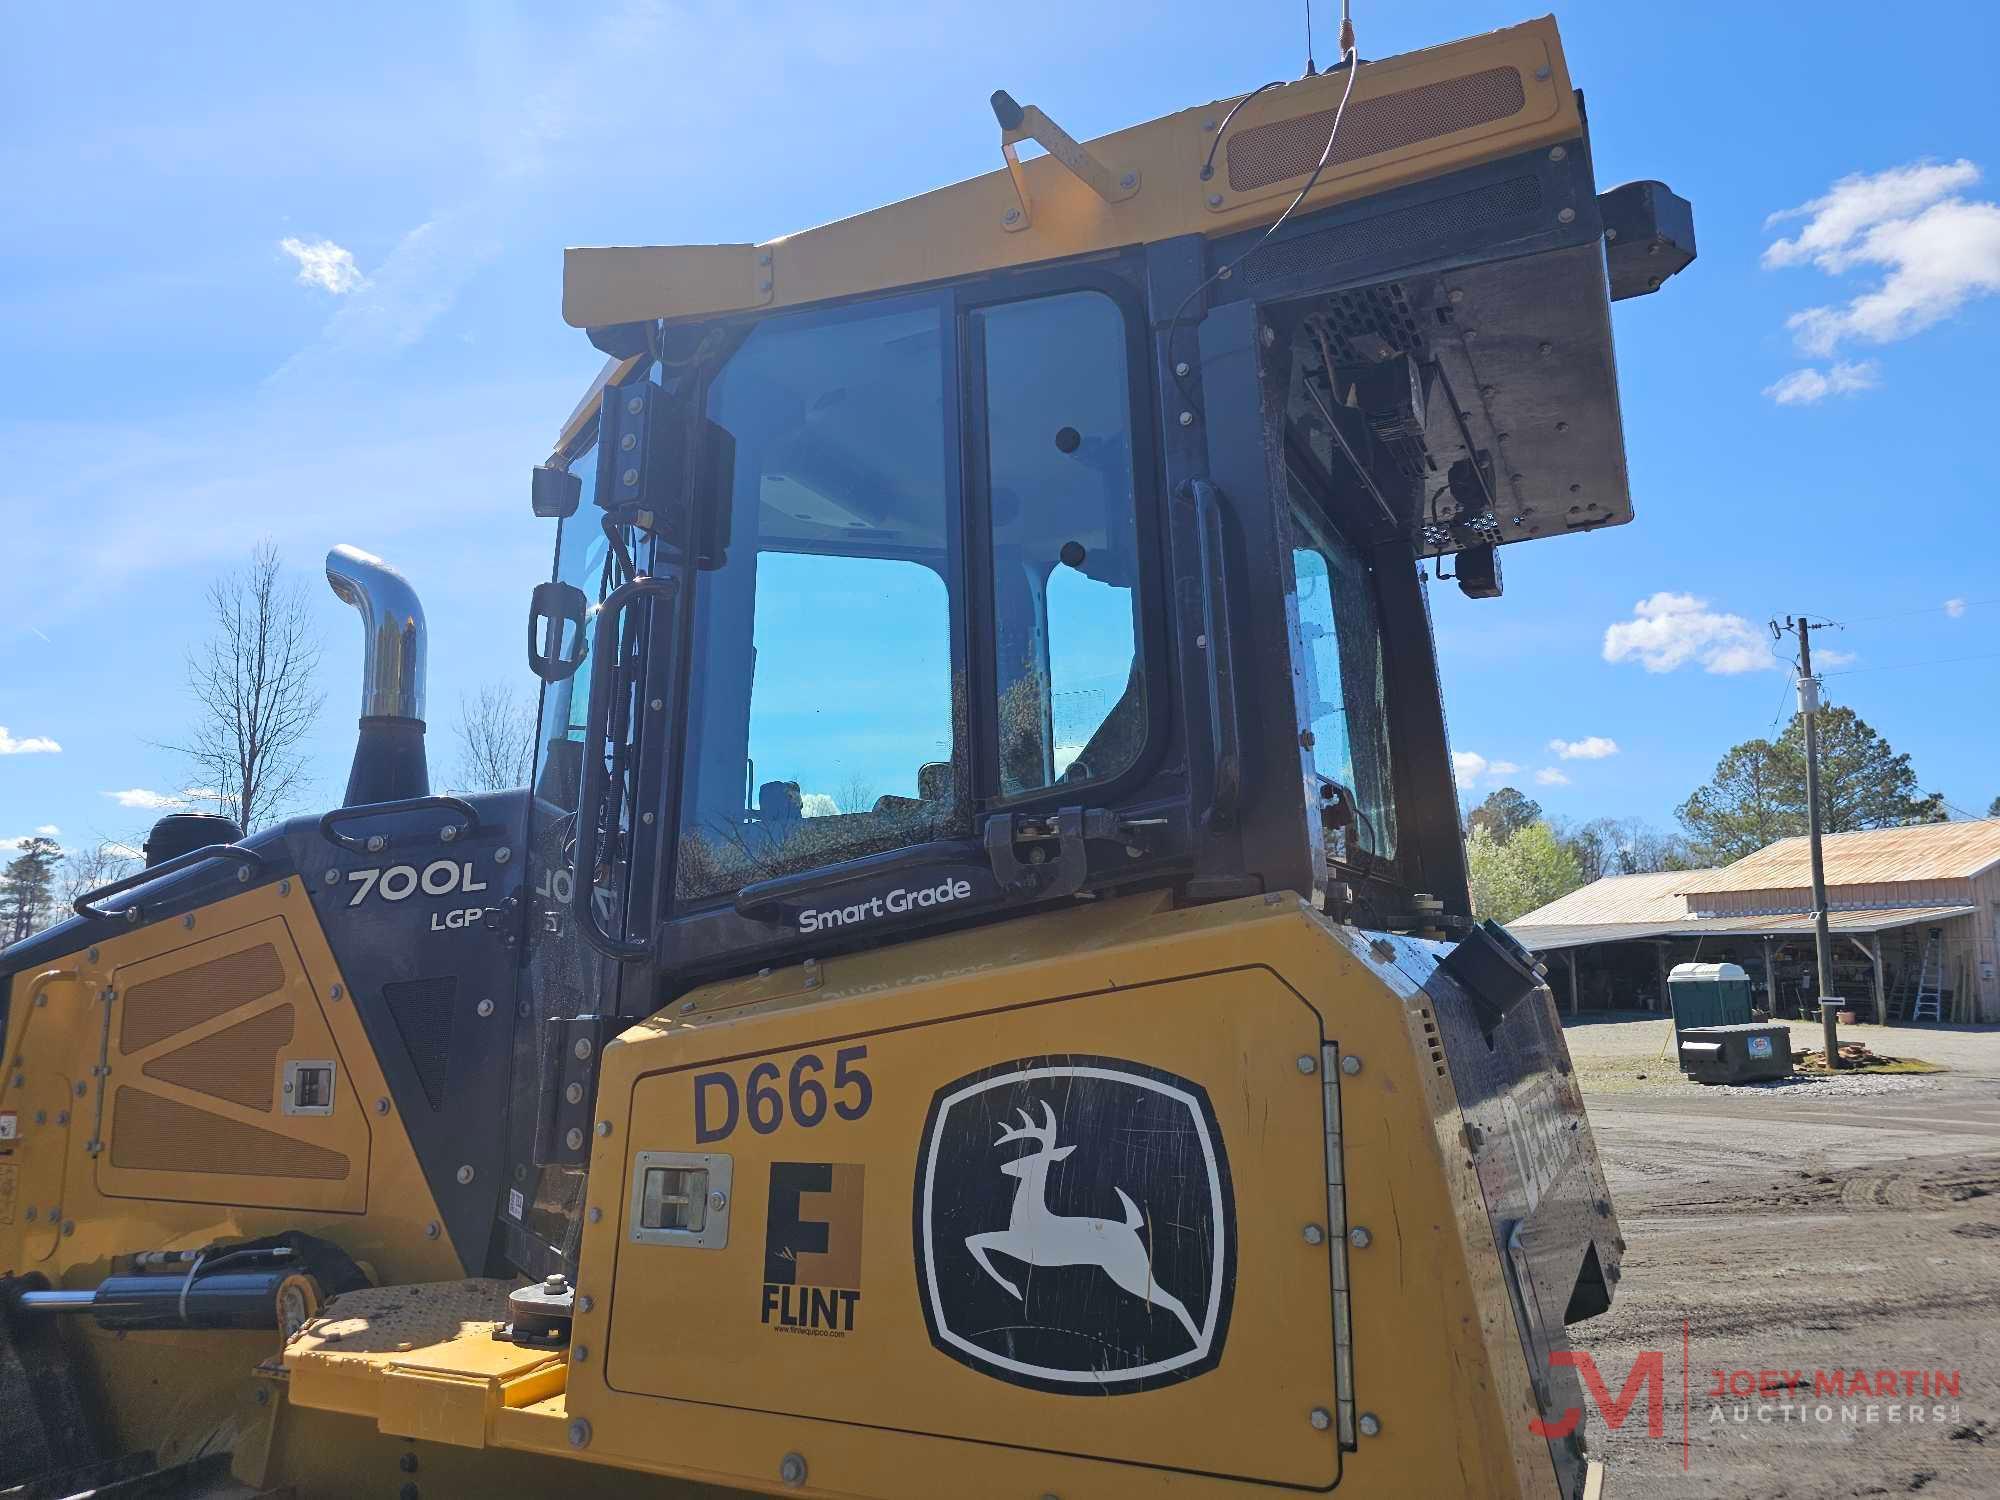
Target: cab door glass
x,y
1060,494
825,698
1342,639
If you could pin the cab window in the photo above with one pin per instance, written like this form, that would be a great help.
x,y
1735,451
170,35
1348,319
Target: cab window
x,y
1052,378
1341,637
824,702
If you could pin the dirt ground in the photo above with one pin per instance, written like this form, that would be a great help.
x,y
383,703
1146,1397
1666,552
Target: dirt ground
x,y
1832,1225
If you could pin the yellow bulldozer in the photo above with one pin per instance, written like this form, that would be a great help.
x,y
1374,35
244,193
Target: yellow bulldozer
x,y
980,997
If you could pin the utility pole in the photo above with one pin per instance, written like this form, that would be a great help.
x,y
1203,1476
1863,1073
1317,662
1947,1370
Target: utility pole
x,y
1822,938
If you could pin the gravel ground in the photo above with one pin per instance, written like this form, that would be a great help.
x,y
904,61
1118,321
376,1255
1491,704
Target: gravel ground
x,y
1831,1225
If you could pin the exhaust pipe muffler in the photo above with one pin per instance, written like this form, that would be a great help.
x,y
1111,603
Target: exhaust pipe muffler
x,y
389,762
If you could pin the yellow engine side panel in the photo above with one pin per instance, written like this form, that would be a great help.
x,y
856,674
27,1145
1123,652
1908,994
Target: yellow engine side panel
x,y
167,1391
765,1325
199,1042
684,1361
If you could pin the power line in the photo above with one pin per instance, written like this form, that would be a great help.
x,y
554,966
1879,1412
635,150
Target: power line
x,y
1936,661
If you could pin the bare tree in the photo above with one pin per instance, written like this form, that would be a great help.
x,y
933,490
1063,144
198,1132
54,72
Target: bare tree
x,y
496,739
254,684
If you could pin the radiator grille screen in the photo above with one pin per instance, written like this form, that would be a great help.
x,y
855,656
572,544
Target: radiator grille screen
x,y
238,1063
152,1134
1285,149
157,1008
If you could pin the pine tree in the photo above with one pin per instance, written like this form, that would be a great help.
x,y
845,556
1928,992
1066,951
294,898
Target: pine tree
x,y
25,887
1758,792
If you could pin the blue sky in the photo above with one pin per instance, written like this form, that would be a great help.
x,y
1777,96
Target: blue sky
x,y
177,384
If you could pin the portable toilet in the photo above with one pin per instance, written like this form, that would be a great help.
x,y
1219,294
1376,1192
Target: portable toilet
x,y
1707,995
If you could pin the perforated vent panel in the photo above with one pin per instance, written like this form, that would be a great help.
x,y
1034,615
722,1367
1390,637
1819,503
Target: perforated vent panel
x,y
1284,149
238,1063
1444,220
153,1134
157,1008
423,1010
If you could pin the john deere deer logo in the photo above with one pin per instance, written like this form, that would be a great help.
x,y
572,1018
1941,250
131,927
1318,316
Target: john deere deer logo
x,y
1124,1180
1041,1238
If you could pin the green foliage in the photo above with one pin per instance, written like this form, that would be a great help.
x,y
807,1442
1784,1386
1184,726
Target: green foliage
x,y
24,887
1758,792
1518,874
1993,808
1503,814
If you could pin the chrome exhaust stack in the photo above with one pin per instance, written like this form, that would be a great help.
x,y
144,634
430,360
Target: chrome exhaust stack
x,y
389,760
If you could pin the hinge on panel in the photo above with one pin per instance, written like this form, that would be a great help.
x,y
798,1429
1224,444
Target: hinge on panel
x,y
1336,1229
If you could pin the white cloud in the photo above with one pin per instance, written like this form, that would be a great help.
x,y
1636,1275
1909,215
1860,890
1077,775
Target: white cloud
x,y
1501,768
1833,656
1955,608
1670,630
1936,249
1590,747
1550,776
1467,766
31,746
148,801
1809,386
48,830
324,264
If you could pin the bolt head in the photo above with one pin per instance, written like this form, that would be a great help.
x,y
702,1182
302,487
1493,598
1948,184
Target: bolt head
x,y
1542,73
1308,1063
1566,216
1187,419
376,843
336,992
635,405
1557,153
1456,294
582,1048
381,1106
1320,1417
1012,216
1314,1235
579,1433
574,1139
433,1229
188,920
792,1468
595,1215
502,855
1360,1238
603,1127
331,877
579,1353
1215,200
1350,1065
464,1175
485,1008
1129,181
1181,368
1370,1424
718,1200
574,1093
630,477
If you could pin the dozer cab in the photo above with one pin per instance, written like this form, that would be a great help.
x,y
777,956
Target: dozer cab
x,y
980,998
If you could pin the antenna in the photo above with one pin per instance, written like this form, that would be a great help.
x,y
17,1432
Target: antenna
x,y
1310,69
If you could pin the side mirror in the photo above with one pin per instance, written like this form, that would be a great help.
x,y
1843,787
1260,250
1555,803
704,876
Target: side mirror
x,y
555,492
